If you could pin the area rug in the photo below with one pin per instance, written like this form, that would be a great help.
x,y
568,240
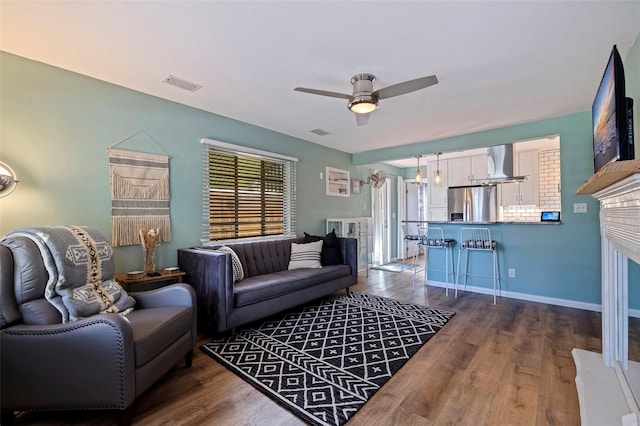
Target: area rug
x,y
323,361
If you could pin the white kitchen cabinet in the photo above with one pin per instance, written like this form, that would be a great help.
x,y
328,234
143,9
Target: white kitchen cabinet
x,y
458,171
463,171
338,182
479,167
355,227
523,193
438,214
437,190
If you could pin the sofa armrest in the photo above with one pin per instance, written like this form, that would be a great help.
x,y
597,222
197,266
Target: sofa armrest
x,y
211,274
172,295
349,248
36,364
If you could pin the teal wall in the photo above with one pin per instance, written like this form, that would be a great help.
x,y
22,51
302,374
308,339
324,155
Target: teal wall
x,y
56,126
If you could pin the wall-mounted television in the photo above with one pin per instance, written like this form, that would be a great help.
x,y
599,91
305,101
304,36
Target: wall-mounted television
x,y
612,114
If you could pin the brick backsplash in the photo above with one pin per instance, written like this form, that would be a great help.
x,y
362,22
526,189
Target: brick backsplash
x,y
549,183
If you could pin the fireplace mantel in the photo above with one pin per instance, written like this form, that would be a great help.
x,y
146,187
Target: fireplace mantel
x,y
604,392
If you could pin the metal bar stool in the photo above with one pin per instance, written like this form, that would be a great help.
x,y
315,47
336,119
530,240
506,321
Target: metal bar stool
x,y
434,239
422,234
479,240
409,238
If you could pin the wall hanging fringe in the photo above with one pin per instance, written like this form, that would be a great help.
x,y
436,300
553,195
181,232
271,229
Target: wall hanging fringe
x,y
139,195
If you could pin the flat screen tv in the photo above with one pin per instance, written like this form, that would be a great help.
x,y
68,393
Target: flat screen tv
x,y
611,111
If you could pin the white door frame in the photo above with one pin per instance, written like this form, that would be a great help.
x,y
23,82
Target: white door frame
x,y
402,215
381,212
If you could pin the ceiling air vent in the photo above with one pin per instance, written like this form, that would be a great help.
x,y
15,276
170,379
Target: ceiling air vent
x,y
319,132
181,83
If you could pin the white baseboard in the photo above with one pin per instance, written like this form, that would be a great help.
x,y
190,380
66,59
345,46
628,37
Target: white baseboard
x,y
596,307
530,297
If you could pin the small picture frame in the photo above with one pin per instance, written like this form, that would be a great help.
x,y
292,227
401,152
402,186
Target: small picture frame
x,y
355,186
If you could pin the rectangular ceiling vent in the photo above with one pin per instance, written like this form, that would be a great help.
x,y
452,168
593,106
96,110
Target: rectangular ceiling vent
x,y
181,83
319,132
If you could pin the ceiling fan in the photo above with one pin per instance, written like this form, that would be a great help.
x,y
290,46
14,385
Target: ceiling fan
x,y
364,99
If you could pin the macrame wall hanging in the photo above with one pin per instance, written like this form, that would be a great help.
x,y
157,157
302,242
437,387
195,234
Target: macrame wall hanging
x,y
139,192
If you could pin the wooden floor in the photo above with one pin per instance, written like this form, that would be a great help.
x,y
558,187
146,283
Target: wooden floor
x,y
508,364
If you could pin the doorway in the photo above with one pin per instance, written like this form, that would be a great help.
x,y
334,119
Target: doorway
x,y
381,212
415,211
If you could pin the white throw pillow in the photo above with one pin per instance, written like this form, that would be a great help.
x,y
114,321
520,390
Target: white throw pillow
x,y
305,255
238,272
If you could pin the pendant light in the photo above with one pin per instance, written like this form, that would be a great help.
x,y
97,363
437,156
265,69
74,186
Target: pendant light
x,y
438,167
418,172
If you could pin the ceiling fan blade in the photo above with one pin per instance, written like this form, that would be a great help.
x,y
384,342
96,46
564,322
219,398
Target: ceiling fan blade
x,y
405,87
362,119
323,93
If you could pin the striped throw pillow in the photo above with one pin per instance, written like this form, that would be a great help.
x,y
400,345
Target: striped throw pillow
x,y
305,255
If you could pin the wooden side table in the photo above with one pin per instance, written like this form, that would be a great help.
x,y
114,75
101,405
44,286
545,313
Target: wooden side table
x,y
149,283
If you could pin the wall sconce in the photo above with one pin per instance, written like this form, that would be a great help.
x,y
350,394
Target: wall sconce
x,y
438,167
8,180
418,172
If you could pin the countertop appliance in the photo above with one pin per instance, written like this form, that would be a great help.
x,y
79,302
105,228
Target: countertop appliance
x,y
477,203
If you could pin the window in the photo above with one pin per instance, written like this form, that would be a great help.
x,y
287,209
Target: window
x,y
247,193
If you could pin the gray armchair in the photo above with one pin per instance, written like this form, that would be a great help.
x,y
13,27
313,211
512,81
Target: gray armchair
x,y
102,362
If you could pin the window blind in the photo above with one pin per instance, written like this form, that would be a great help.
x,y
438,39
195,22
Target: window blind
x,y
246,195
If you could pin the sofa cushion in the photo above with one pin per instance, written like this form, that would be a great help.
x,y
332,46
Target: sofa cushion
x,y
264,257
305,255
155,329
40,311
264,287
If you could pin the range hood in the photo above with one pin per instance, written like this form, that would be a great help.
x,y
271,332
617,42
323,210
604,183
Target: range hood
x,y
500,166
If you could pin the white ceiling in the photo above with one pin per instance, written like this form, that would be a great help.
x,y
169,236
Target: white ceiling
x,y
498,62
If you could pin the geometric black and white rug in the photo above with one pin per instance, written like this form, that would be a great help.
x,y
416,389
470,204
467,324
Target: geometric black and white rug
x,y
324,360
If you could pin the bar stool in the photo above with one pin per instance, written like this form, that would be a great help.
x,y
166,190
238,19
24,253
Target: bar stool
x,y
409,238
434,239
422,235
477,240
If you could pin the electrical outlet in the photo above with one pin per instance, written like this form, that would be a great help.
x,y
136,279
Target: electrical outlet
x,y
321,176
512,272
579,207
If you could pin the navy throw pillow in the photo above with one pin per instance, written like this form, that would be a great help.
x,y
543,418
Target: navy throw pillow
x,y
331,250
308,238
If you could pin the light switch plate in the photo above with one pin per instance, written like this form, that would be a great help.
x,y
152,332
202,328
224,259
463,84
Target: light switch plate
x,y
579,207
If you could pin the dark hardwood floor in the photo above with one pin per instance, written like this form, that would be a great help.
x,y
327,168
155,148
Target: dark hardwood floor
x,y
504,364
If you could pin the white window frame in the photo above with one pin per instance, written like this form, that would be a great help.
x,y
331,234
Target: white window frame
x,y
289,222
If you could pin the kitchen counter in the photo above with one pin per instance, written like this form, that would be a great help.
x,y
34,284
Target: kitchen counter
x,y
486,223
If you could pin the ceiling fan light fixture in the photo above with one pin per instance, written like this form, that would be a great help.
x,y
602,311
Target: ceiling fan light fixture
x,y
363,104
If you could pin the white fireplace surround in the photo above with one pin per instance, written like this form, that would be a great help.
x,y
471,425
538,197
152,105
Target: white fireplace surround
x,y
605,381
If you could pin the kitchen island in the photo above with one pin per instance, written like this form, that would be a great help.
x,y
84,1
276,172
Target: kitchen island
x,y
543,264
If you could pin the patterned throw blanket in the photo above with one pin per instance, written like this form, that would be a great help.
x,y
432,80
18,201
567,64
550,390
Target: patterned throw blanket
x,y
81,271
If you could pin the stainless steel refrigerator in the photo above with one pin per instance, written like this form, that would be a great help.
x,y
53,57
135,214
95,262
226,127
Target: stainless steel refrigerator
x,y
473,203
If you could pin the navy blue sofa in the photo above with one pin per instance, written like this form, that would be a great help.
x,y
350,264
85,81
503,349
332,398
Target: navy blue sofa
x,y
268,287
